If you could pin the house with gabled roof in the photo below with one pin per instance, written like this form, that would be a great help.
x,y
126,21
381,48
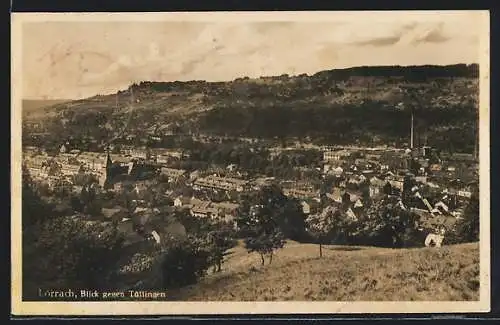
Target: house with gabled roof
x,y
172,173
181,201
351,215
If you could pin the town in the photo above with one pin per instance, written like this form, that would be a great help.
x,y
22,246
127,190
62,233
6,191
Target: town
x,y
443,184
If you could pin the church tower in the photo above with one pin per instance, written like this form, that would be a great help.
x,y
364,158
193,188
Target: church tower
x,y
108,170
109,162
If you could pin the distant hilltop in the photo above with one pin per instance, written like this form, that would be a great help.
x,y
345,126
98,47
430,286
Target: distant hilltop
x,y
411,73
361,105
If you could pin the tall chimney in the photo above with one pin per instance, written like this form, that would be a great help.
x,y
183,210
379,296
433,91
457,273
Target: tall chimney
x,y
411,131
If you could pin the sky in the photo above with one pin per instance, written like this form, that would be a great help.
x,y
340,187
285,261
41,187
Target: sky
x,y
71,59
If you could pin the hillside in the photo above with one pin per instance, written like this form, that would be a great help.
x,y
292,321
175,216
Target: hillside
x,y
33,107
450,273
367,105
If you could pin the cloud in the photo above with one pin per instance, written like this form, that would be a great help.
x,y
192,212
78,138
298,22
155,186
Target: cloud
x,y
381,41
433,34
99,57
391,35
191,65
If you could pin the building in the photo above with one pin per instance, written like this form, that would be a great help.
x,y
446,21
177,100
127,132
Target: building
x,y
376,186
335,195
435,167
172,174
182,201
92,161
262,182
122,160
306,208
204,209
396,182
194,175
70,170
140,153
329,169
301,193
126,150
232,167
140,188
464,193
373,157
163,156
351,215
331,155
227,211
220,183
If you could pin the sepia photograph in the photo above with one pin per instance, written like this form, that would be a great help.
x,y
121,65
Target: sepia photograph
x,y
250,162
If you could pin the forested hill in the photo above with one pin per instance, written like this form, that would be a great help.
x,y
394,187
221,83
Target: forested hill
x,y
366,105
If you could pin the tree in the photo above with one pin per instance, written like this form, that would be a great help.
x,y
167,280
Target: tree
x,y
415,166
265,244
389,225
68,252
468,227
184,261
84,179
76,204
346,200
286,213
407,190
219,241
34,209
291,220
260,223
90,201
125,199
387,190
321,226
367,200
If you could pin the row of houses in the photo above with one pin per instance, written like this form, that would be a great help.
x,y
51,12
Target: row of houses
x,y
158,155
220,183
335,155
221,211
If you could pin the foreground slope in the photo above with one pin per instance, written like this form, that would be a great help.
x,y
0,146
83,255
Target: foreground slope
x,y
345,274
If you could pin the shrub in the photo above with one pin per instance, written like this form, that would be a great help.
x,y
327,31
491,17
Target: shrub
x,y
69,253
184,262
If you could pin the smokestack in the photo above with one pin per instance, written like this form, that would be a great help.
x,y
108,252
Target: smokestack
x,y
411,131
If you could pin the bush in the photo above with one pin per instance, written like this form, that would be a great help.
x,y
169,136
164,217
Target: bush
x,y
467,229
67,252
265,244
184,262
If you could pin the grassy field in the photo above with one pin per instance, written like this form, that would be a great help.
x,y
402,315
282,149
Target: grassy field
x,y
344,274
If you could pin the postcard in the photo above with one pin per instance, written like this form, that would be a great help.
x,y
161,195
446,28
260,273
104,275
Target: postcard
x,y
250,163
